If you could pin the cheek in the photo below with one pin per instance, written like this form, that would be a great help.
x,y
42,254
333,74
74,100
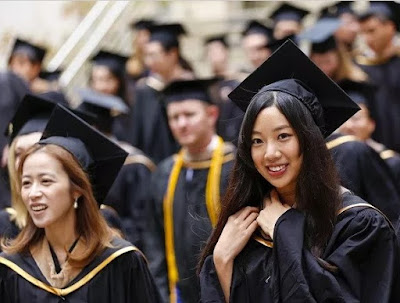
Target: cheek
x,y
257,157
24,196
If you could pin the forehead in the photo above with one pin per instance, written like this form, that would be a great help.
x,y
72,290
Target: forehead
x,y
270,118
42,162
254,39
185,106
153,46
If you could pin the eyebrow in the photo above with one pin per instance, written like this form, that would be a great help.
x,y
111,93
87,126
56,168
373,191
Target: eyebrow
x,y
278,128
41,175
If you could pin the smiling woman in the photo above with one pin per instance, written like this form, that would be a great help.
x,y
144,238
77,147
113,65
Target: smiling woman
x,y
66,251
288,232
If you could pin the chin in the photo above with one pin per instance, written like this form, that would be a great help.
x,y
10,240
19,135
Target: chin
x,y
40,224
185,142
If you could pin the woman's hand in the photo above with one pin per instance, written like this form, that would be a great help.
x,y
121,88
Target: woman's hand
x,y
234,237
236,233
273,209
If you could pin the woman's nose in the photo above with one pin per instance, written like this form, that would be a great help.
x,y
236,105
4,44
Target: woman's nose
x,y
35,191
272,152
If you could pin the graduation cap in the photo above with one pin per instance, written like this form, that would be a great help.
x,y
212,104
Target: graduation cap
x,y
218,38
31,116
182,90
98,156
101,108
289,70
255,27
288,12
387,9
359,92
167,34
54,96
142,24
34,52
337,9
115,62
274,43
50,75
321,35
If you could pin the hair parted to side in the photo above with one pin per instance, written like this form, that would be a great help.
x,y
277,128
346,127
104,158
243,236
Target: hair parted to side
x,y
317,189
90,224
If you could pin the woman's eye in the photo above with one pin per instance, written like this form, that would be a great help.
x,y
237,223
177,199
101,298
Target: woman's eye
x,y
46,181
283,136
25,183
256,141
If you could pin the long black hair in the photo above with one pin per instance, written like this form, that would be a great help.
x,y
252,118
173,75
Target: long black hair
x,y
317,188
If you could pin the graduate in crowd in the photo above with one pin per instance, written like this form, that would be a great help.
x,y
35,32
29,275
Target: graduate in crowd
x,y
135,66
379,25
12,88
108,77
255,38
362,124
287,20
360,168
47,81
149,126
128,194
288,232
230,116
66,251
26,60
328,54
217,55
186,190
349,28
365,173
23,131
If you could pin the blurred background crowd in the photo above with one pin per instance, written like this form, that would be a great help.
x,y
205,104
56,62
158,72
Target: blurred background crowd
x,y
114,60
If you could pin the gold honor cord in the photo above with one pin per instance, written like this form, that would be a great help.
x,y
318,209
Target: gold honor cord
x,y
213,182
212,203
339,141
386,154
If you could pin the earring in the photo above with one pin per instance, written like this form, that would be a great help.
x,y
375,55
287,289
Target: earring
x,y
76,203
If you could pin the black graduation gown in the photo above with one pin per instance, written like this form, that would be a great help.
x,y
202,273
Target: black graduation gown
x,y
5,194
385,108
149,129
119,274
8,228
129,194
392,159
363,248
191,223
365,173
12,89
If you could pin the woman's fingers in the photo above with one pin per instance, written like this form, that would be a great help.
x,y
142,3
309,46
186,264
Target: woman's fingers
x,y
245,212
250,219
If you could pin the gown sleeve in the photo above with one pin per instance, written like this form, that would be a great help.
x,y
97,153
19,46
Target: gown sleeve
x,y
154,244
211,291
4,296
365,254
